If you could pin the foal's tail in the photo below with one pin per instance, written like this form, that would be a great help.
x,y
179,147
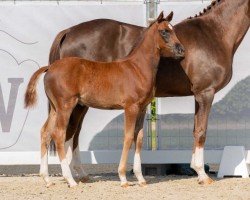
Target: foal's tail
x,y
30,98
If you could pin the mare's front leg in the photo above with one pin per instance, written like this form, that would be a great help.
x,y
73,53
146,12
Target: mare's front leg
x,y
203,103
138,140
131,115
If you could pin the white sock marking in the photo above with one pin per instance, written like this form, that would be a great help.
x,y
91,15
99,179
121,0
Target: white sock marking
x,y
197,162
137,168
67,173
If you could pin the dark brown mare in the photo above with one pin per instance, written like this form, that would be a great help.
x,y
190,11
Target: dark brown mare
x,y
127,83
210,40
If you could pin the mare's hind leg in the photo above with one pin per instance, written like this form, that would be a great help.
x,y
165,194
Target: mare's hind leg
x,y
138,139
71,144
45,140
202,108
63,113
131,114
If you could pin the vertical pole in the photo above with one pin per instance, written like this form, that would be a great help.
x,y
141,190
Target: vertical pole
x,y
151,10
151,14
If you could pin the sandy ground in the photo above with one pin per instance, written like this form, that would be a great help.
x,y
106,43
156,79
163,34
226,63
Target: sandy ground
x,y
104,184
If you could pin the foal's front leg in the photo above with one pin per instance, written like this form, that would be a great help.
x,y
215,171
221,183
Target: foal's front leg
x,y
131,114
138,139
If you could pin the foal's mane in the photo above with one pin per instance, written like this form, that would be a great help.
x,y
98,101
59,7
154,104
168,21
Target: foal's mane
x,y
208,9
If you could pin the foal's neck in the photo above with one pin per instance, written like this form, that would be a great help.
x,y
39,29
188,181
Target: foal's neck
x,y
147,51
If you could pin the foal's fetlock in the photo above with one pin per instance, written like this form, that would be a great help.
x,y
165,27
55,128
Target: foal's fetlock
x,y
140,178
71,182
142,184
46,179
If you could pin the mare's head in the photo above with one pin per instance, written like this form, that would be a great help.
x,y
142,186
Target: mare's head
x,y
166,39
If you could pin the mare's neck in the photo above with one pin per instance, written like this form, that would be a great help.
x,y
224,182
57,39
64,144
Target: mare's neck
x,y
231,20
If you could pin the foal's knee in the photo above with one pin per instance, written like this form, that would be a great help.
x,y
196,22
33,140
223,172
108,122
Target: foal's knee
x,y
140,135
129,139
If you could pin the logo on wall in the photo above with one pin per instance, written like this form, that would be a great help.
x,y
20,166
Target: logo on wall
x,y
15,74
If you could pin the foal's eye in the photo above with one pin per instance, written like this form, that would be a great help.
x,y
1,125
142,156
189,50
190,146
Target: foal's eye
x,y
165,34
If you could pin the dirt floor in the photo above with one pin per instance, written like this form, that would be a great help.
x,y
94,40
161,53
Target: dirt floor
x,y
104,184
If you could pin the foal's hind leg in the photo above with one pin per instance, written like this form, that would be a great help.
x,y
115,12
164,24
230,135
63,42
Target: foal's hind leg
x,y
138,139
202,108
45,140
131,114
71,144
63,113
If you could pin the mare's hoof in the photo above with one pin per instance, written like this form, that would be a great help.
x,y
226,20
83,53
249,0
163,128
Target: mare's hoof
x,y
84,179
206,181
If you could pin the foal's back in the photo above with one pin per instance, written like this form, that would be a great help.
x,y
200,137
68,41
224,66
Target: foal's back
x,y
98,84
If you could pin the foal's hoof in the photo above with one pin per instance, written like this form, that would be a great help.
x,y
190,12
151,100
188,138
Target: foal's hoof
x,y
84,179
143,184
126,184
72,185
48,185
206,181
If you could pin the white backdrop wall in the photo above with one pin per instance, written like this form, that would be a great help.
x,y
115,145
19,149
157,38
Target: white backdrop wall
x,y
27,31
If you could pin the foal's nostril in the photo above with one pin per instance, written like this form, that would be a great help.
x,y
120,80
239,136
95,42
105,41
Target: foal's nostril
x,y
179,49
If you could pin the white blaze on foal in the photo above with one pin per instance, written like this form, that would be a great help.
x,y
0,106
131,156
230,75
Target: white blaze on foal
x,y
170,26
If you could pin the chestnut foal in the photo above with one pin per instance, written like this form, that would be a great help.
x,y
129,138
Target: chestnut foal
x,y
128,84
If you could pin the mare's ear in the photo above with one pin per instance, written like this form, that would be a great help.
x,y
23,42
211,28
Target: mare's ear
x,y
160,17
170,17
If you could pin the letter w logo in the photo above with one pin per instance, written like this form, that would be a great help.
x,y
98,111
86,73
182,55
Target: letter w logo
x,y
6,116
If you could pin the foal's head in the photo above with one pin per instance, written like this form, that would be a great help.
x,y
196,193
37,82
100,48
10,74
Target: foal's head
x,y
167,41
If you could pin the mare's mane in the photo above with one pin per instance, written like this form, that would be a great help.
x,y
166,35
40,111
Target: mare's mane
x,y
140,39
214,3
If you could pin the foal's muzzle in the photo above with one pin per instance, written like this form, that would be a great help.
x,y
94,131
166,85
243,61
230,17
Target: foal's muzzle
x,y
179,50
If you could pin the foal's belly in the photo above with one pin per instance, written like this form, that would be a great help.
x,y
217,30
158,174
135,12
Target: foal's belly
x,y
101,102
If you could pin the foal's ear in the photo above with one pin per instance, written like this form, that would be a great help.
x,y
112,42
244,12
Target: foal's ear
x,y
170,17
160,18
